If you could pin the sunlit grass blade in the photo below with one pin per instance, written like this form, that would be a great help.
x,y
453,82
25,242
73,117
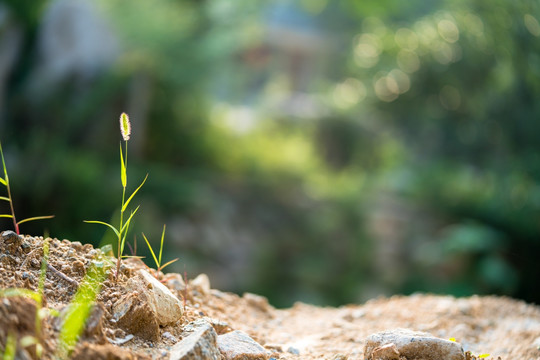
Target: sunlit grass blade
x,y
103,223
123,171
11,347
151,250
4,198
20,292
134,192
124,231
3,182
161,245
35,218
126,225
167,264
6,216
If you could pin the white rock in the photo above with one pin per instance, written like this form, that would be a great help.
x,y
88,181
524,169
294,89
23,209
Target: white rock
x,y
162,301
411,345
202,284
200,344
237,345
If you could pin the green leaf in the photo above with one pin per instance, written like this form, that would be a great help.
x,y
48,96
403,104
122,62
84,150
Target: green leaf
x,y
123,173
103,223
151,250
131,197
35,218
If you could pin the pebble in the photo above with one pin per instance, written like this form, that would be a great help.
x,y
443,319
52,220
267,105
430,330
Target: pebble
x,y
200,344
166,306
293,350
133,314
237,345
168,335
398,343
202,284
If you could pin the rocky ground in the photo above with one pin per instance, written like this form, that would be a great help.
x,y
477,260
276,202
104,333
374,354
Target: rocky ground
x,y
145,314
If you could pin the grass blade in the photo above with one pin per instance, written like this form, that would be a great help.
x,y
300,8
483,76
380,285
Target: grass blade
x,y
123,172
131,197
167,263
21,292
3,182
6,216
161,246
126,225
151,250
125,229
4,198
35,218
10,347
103,223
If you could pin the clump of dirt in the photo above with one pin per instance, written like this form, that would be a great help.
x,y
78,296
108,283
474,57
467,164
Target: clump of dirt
x,y
502,327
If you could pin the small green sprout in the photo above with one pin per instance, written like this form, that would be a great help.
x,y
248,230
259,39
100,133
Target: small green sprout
x,y
5,181
122,230
80,309
470,355
158,259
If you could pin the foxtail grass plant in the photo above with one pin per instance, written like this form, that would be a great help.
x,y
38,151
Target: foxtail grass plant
x,y
157,260
5,181
122,230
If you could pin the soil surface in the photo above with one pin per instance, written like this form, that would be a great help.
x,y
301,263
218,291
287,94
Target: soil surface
x,y
501,327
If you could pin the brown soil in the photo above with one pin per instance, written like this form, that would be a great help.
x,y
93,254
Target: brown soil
x,y
502,327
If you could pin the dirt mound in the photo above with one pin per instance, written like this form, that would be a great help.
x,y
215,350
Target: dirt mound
x,y
502,327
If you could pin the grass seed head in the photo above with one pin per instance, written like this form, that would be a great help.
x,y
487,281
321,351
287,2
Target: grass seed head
x,y
125,126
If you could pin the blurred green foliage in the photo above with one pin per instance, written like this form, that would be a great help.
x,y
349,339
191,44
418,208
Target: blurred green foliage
x,y
325,151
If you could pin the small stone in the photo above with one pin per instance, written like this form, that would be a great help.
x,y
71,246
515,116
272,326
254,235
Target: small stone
x,y
237,345
87,247
166,306
257,301
293,350
202,284
10,237
387,352
411,345
133,313
78,268
169,336
175,282
200,344
76,245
